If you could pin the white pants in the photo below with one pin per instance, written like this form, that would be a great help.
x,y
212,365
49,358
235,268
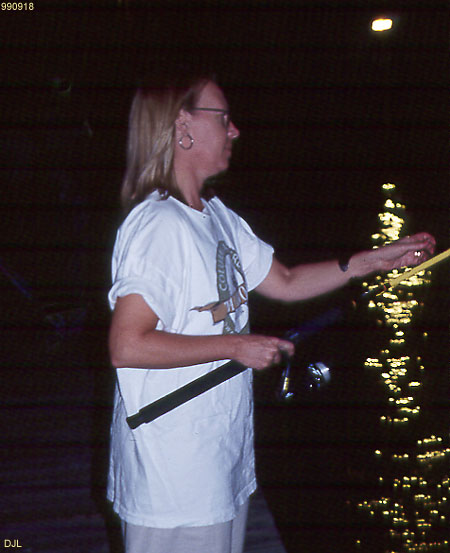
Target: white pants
x,y
226,537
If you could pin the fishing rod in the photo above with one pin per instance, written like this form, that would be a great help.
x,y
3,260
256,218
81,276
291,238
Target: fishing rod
x,y
223,373
317,372
395,281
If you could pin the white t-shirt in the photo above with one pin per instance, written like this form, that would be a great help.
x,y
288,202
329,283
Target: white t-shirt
x,y
193,466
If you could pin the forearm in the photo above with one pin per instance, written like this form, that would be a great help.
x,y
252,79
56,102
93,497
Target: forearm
x,y
308,281
135,342
156,349
314,279
319,278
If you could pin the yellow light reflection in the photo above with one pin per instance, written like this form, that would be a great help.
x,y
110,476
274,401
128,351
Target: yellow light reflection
x,y
417,511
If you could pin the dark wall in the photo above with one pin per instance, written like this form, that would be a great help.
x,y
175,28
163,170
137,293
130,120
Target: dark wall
x,y
327,113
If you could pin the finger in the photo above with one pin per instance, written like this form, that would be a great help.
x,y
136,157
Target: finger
x,y
278,356
424,241
287,347
420,256
423,236
417,257
423,250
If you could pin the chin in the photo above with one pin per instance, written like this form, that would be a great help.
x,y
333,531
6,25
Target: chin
x,y
219,169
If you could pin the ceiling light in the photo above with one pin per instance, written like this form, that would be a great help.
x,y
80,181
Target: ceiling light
x,y
381,24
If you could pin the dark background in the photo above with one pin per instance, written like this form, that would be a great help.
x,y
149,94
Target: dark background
x,y
328,112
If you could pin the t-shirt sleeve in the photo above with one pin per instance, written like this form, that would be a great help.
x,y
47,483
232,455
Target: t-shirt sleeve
x,y
256,255
148,260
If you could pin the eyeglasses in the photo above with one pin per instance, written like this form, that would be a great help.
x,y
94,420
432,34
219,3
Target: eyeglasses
x,y
226,119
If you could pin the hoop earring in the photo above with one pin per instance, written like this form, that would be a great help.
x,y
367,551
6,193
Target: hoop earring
x,y
180,142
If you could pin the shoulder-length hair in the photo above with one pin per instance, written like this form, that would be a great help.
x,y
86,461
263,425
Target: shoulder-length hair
x,y
151,139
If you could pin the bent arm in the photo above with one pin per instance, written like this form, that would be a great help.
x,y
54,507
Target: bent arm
x,y
310,280
135,342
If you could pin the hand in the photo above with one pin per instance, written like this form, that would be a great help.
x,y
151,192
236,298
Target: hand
x,y
259,352
406,252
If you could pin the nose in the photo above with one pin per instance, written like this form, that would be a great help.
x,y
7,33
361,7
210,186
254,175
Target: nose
x,y
233,131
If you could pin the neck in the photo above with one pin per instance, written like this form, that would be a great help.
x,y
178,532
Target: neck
x,y
198,205
190,187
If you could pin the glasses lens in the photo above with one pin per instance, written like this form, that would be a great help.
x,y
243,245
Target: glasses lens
x,y
226,120
224,115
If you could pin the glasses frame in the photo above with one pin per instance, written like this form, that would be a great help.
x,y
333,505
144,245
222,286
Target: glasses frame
x,y
226,119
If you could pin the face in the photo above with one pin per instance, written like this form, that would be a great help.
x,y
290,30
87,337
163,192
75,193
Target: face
x,y
213,133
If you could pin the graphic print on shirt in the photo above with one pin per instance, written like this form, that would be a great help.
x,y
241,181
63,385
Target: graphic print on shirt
x,y
231,308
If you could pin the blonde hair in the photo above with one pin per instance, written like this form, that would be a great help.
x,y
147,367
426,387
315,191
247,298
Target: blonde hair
x,y
151,140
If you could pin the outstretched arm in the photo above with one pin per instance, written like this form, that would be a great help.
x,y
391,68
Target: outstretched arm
x,y
311,280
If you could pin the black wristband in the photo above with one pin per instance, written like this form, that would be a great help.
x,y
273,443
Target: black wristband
x,y
344,263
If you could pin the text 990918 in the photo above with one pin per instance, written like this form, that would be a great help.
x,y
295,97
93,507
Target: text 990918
x,y
17,6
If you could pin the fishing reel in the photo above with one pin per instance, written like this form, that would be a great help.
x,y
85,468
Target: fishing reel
x,y
314,378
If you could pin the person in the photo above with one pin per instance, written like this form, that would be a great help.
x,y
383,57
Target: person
x,y
183,265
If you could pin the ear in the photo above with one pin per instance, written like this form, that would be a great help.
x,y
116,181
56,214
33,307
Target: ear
x,y
183,119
